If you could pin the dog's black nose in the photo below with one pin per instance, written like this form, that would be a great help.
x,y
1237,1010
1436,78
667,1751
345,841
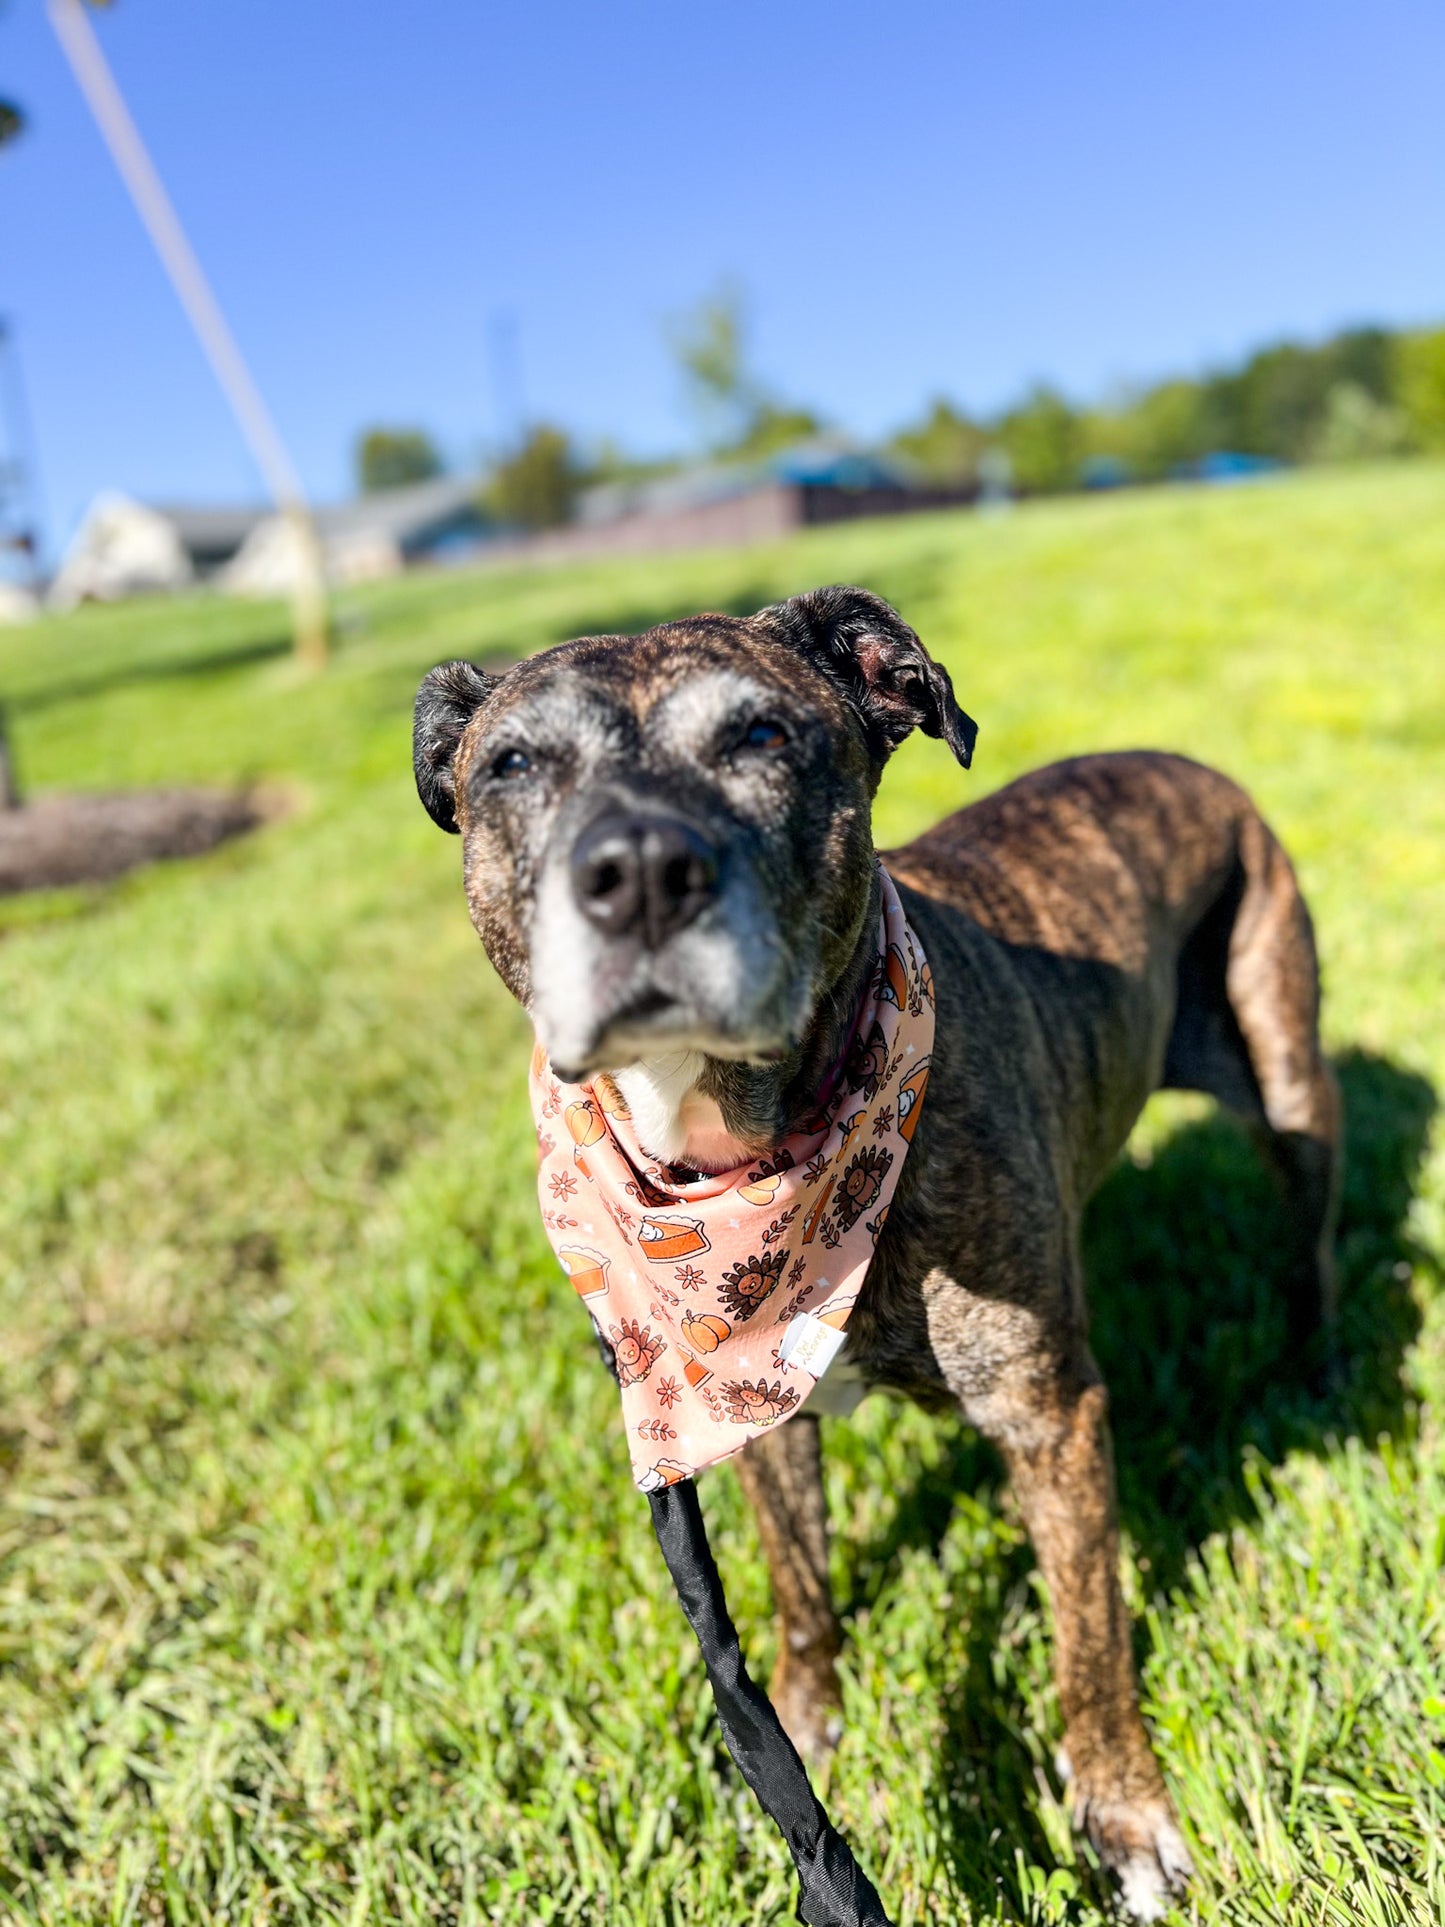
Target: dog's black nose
x,y
643,875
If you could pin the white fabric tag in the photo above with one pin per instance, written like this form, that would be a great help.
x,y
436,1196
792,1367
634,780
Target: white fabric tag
x,y
812,1344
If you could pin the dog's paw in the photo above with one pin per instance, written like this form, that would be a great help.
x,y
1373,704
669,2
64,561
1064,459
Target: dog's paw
x,y
1142,1847
811,1713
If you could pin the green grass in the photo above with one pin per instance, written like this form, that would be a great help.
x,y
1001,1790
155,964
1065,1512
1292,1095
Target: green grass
x,y
324,1594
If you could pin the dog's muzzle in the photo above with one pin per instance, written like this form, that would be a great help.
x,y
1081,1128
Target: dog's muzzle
x,y
651,932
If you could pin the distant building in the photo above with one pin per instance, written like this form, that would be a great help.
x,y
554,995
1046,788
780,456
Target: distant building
x,y
17,605
210,536
124,548
728,504
374,536
121,548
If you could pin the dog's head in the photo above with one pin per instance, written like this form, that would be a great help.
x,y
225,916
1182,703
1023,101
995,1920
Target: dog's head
x,y
666,836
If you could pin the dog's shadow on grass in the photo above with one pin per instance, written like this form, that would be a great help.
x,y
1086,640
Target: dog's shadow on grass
x,y
1184,1260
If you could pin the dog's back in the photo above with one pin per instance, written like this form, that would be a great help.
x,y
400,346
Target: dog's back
x,y
1142,903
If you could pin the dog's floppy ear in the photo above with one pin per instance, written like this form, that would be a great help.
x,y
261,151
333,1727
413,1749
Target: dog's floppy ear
x,y
448,699
888,676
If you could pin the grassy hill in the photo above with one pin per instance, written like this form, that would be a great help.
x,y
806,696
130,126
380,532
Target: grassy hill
x,y
324,1594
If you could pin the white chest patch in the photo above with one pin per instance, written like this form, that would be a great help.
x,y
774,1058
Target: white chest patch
x,y
671,1117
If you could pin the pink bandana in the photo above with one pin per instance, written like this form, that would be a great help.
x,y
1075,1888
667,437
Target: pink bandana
x,y
726,1299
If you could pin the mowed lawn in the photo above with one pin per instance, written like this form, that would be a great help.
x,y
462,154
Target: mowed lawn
x,y
324,1594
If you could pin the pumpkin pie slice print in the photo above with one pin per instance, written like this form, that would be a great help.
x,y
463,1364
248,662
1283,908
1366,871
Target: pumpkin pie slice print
x,y
663,1241
893,978
663,1472
910,1100
587,1269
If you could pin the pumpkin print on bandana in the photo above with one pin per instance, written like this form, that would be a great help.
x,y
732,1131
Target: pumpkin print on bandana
x,y
725,1298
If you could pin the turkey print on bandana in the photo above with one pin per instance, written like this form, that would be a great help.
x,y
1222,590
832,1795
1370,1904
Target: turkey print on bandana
x,y
726,1298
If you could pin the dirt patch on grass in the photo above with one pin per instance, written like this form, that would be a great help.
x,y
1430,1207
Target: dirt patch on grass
x,y
88,838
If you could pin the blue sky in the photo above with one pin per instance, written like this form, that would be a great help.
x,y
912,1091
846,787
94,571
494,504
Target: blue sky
x,y
917,198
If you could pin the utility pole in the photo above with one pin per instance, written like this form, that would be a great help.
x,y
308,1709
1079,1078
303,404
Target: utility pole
x,y
19,486
153,204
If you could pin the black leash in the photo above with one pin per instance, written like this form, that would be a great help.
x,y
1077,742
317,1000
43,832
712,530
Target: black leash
x,y
836,1891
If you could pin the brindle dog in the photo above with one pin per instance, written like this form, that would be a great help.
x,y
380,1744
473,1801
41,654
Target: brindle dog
x,y
668,856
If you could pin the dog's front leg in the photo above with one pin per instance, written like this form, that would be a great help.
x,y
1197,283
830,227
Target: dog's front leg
x,y
1030,1384
782,1476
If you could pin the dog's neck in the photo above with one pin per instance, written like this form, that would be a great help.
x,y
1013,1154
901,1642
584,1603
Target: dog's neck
x,y
709,1114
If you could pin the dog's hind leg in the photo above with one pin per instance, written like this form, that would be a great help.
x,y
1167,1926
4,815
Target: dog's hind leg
x,y
1029,1383
782,1476
1246,1029
1272,979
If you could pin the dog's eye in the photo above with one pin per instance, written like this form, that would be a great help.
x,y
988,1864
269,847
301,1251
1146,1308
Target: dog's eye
x,y
764,732
510,763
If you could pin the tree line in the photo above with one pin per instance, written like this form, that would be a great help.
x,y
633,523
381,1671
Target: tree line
x,y
1362,394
